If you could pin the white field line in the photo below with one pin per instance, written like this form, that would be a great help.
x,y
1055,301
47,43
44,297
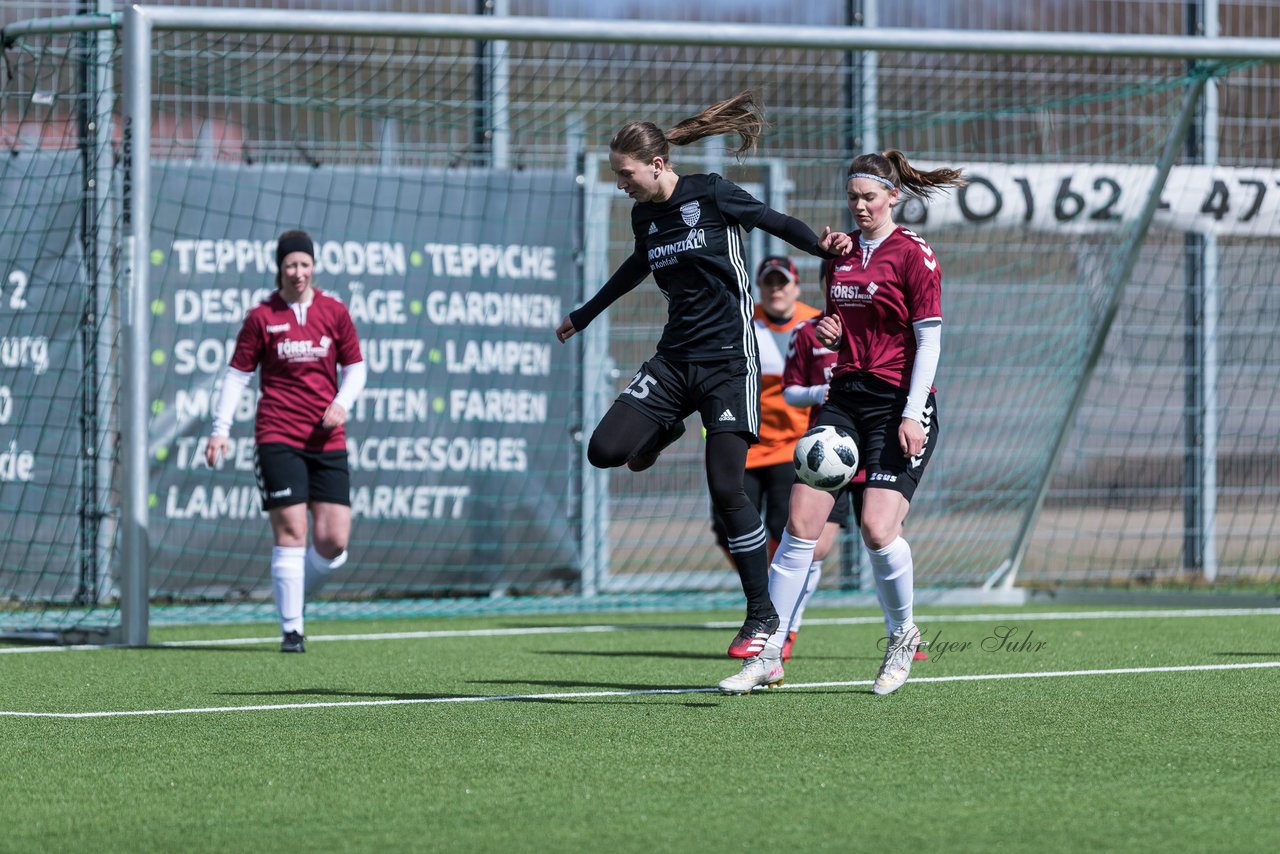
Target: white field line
x,y
573,630
588,695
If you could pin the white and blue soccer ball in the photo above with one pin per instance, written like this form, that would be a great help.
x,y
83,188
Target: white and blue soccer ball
x,y
826,458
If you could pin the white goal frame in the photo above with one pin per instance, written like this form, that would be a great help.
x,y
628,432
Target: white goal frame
x,y
140,22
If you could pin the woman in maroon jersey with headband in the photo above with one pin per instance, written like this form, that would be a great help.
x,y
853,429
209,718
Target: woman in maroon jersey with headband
x,y
806,382
884,318
298,336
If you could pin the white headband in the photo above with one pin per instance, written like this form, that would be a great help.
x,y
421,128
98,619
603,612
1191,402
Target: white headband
x,y
884,181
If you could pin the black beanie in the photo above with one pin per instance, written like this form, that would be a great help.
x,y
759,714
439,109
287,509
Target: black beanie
x,y
294,241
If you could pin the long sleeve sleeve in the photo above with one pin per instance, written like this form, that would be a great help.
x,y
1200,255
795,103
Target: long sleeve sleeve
x,y
928,350
623,281
234,383
792,230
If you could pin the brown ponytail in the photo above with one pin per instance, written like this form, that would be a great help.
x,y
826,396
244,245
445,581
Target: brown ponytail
x,y
894,167
740,114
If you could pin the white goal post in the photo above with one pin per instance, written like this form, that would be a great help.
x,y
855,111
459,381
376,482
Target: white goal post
x,y
1056,179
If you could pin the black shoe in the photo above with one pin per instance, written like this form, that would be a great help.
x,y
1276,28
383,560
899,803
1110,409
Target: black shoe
x,y
292,642
645,459
752,637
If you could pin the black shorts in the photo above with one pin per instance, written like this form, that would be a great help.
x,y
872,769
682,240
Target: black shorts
x,y
870,409
726,393
849,498
288,475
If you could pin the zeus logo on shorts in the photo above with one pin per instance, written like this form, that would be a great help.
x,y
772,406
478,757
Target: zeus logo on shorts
x,y
281,493
882,476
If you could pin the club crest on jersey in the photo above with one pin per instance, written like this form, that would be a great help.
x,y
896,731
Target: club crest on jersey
x,y
691,212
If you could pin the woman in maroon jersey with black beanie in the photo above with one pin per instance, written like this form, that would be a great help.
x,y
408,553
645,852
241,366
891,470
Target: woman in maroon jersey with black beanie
x,y
298,336
884,318
688,235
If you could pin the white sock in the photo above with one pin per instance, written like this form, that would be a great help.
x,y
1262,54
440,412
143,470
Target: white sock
x,y
894,578
319,568
811,584
883,610
288,571
787,577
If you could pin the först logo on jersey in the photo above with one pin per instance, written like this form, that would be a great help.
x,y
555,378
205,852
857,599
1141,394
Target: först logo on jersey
x,y
303,351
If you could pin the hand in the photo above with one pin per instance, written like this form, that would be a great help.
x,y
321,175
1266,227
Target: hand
x,y
334,416
826,392
828,331
565,330
835,242
214,450
911,437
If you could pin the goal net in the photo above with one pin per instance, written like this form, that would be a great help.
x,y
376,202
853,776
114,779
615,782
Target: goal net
x,y
1105,390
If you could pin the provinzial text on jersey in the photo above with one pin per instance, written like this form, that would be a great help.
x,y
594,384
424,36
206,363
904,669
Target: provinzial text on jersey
x,y
666,254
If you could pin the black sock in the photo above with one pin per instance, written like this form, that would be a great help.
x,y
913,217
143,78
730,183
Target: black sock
x,y
749,548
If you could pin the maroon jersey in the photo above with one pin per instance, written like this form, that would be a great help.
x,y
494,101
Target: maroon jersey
x,y
808,362
299,368
878,299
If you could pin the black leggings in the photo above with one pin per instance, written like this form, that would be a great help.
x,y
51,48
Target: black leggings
x,y
621,434
768,489
625,432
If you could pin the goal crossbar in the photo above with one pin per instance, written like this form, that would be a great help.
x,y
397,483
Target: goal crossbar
x,y
488,28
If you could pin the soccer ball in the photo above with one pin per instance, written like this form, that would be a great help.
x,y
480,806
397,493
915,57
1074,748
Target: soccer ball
x,y
826,458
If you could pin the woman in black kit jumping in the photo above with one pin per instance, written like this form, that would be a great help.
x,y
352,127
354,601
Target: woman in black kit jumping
x,y
688,235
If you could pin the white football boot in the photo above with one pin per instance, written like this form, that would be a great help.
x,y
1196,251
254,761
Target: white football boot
x,y
756,672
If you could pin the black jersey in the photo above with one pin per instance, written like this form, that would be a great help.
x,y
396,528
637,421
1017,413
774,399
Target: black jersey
x,y
693,244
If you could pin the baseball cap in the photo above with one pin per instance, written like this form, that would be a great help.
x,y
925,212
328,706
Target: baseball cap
x,y
780,264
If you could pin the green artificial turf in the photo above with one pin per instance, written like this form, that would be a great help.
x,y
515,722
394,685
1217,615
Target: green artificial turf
x,y
1180,761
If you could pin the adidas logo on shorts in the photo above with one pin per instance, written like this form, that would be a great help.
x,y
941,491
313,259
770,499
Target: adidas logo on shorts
x,y
727,416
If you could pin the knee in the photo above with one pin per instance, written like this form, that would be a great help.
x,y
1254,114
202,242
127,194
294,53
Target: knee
x,y
877,535
727,504
329,546
330,529
805,529
604,454
727,496
882,518
808,512
290,534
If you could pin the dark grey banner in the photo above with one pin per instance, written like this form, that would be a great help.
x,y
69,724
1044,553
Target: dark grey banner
x,y
460,450
43,383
